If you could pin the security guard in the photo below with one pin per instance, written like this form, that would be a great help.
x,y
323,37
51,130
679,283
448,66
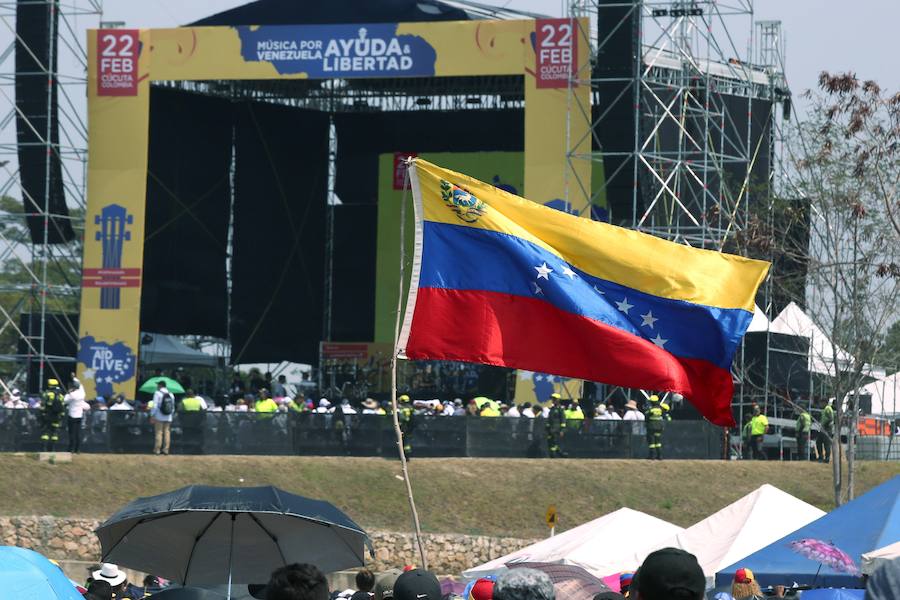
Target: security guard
x,y
573,412
826,430
192,421
265,406
405,417
555,426
803,428
656,417
489,409
52,409
759,424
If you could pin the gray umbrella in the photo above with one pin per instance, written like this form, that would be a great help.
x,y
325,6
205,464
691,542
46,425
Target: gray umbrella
x,y
202,535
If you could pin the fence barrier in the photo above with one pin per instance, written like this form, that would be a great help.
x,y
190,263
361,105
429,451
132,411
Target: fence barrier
x,y
361,435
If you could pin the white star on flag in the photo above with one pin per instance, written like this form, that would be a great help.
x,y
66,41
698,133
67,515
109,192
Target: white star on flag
x,y
649,319
568,272
537,288
88,374
624,306
659,341
543,271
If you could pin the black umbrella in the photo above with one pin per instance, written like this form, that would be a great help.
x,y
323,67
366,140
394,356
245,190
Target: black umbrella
x,y
203,535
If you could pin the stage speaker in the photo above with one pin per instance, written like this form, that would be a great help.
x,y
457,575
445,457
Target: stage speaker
x,y
37,109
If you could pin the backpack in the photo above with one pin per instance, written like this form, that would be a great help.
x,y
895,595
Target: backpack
x,y
167,406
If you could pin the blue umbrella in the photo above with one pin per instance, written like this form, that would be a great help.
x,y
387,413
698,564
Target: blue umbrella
x,y
27,575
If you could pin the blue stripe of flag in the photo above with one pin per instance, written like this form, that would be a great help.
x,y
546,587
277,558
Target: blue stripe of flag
x,y
466,258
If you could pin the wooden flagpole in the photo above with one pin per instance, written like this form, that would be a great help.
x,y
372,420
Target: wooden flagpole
x,y
394,407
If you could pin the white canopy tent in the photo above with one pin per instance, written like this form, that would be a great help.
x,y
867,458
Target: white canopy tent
x,y
759,322
872,560
885,393
602,547
761,517
822,352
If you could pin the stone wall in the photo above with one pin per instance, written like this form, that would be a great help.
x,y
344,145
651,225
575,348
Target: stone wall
x,y
449,554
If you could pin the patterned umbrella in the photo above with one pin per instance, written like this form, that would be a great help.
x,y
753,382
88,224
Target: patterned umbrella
x,y
570,581
825,553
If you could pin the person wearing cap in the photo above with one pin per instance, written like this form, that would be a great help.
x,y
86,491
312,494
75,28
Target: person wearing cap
x,y
116,579
555,426
324,406
669,574
52,409
384,584
483,589
417,584
656,417
370,407
405,418
606,415
745,586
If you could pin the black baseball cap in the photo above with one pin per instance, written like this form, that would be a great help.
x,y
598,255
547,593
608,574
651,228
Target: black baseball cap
x,y
669,573
417,585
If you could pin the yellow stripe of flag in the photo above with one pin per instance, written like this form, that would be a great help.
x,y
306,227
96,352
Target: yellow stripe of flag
x,y
630,258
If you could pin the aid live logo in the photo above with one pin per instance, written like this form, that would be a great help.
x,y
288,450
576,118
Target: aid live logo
x,y
117,60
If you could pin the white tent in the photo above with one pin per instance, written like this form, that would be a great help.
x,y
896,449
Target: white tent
x,y
822,352
885,393
761,517
872,560
602,546
760,321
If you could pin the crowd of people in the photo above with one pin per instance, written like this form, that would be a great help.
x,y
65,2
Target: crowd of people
x,y
666,574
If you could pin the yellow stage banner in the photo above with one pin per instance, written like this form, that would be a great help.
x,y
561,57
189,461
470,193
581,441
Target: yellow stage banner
x,y
122,63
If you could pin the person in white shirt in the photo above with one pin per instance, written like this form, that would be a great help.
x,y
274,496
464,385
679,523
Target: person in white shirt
x,y
15,400
449,410
513,411
370,407
75,407
527,411
632,413
346,408
162,422
324,406
120,404
606,415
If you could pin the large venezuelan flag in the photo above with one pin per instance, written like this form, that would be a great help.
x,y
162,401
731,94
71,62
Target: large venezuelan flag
x,y
500,280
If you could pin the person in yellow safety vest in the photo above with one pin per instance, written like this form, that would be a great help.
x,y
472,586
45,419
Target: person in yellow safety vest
x,y
555,426
573,412
759,424
193,403
656,417
52,410
826,430
405,418
745,437
297,404
265,405
488,410
803,428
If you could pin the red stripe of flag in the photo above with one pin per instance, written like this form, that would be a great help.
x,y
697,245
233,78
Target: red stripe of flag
x,y
526,333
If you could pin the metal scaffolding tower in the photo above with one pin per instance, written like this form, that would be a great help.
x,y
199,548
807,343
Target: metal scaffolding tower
x,y
46,284
685,118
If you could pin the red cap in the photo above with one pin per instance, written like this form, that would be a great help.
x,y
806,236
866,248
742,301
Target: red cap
x,y
743,576
482,590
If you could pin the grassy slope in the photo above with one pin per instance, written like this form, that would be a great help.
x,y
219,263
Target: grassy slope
x,y
478,496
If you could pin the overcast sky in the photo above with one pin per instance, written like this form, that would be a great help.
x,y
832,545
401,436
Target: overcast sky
x,y
820,34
